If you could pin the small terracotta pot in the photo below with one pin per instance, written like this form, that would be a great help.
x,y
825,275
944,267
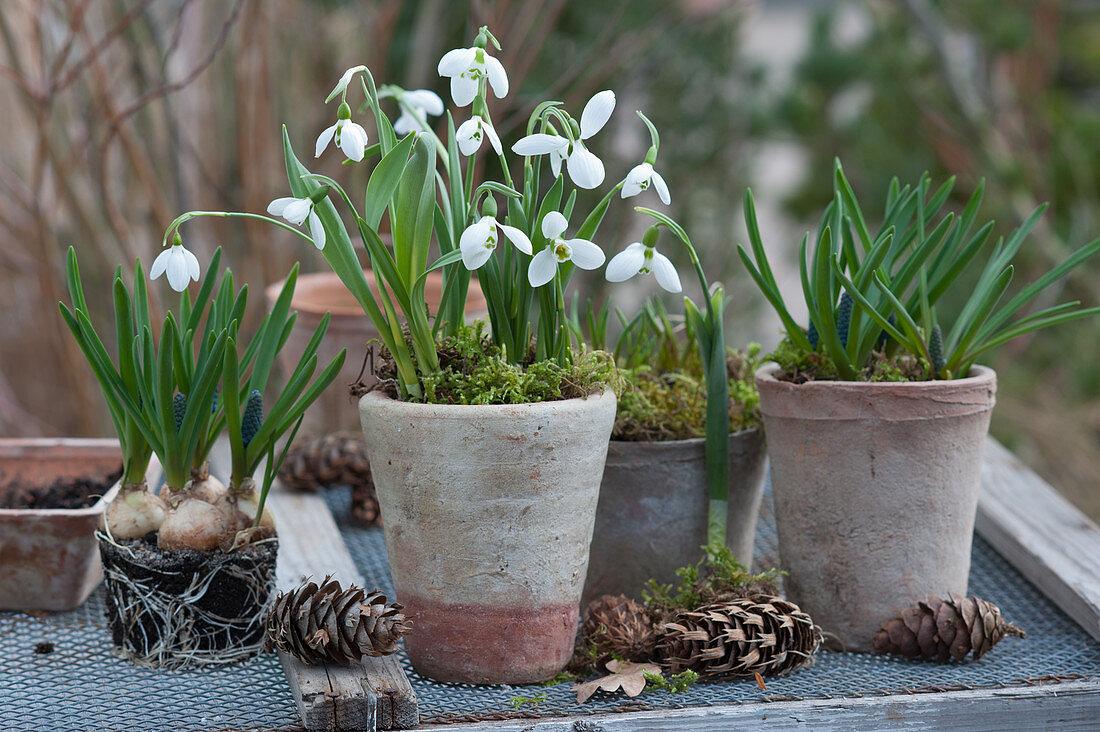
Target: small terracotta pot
x,y
876,489
48,557
350,328
488,514
652,515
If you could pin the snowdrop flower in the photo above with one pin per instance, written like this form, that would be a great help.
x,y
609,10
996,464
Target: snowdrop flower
x,y
466,67
297,210
585,169
180,265
415,107
641,259
580,252
479,240
472,132
350,137
640,178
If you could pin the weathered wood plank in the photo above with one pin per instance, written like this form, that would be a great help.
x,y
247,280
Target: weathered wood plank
x,y
362,697
1067,706
1041,534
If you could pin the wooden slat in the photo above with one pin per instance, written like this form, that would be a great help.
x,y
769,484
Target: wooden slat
x,y
375,694
1041,534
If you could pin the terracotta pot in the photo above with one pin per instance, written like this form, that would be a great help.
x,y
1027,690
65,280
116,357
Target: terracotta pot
x,y
488,514
350,328
876,489
652,515
48,557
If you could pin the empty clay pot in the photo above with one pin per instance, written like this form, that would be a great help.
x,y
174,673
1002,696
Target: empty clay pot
x,y
652,515
488,514
876,489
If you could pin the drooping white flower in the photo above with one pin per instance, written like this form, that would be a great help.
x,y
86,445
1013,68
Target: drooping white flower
x,y
180,265
480,239
640,259
580,252
640,178
297,210
416,105
350,137
472,132
585,169
466,67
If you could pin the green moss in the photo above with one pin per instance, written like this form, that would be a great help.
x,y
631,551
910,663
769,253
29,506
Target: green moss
x,y
473,371
717,577
800,366
673,405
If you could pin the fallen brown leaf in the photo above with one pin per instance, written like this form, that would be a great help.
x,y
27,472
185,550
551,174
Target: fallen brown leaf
x,y
760,680
630,677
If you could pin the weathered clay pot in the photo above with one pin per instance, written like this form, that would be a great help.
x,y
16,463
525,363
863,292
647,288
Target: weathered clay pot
x,y
488,514
48,557
350,328
876,488
652,515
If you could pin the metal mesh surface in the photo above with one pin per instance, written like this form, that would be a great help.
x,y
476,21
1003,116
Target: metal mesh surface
x,y
81,685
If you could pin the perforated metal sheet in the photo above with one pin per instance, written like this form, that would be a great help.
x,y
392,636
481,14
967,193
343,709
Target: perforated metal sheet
x,y
82,686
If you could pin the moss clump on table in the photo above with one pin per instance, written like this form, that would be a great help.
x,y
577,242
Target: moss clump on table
x,y
800,366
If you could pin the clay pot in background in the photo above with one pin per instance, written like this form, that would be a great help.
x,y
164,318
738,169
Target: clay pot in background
x,y
876,489
652,515
488,514
350,328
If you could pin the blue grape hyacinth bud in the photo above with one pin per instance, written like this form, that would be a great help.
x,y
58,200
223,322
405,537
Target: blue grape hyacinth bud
x,y
884,337
253,416
179,408
811,334
935,349
843,318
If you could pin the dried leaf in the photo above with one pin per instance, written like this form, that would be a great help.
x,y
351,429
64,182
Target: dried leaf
x,y
760,680
630,677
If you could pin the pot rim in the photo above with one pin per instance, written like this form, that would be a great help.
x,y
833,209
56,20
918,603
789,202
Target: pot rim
x,y
463,411
690,441
43,447
766,374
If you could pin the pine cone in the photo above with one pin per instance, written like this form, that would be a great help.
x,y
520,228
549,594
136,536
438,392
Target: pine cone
x,y
759,634
328,624
332,460
944,629
616,626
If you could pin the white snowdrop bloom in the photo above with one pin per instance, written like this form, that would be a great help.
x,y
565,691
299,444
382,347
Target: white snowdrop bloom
x,y
466,67
350,137
584,168
472,132
580,252
640,178
297,210
640,259
480,239
416,105
180,265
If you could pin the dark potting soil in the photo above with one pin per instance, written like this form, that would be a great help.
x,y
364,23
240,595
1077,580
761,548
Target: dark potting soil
x,y
238,584
80,492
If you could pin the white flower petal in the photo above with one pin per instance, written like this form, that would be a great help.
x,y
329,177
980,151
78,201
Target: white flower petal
x,y
544,266
178,276
632,184
585,169
297,210
192,264
425,99
626,263
463,90
554,225
517,237
665,273
316,230
498,78
585,254
276,207
662,190
405,124
353,141
557,157
468,136
596,113
539,144
323,140
160,263
487,128
476,235
455,62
